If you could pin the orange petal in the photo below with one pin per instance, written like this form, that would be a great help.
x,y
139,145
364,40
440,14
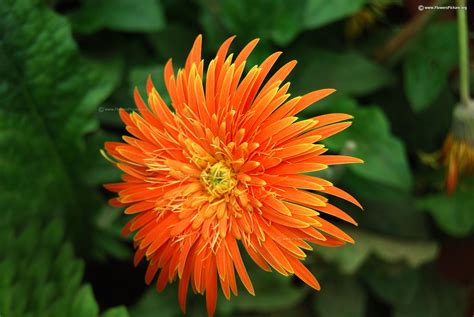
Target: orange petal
x,y
195,53
162,279
239,264
139,207
277,205
335,191
336,212
211,286
283,168
303,197
337,159
183,285
452,177
275,216
150,273
311,98
245,52
329,118
333,230
329,130
304,274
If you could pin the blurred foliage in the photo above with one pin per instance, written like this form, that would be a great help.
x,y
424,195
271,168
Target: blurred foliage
x,y
425,69
341,290
454,214
349,259
68,65
372,141
118,15
41,276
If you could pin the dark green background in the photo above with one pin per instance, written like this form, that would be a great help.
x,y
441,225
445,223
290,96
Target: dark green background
x,y
67,65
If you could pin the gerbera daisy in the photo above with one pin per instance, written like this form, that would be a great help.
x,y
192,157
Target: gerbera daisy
x,y
224,172
458,148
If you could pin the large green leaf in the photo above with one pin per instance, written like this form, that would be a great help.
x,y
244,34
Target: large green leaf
x,y
349,258
413,293
120,311
349,72
408,125
434,298
427,65
279,20
453,213
174,41
84,304
340,296
40,276
273,293
49,95
387,210
321,12
139,75
369,138
120,15
166,303
395,284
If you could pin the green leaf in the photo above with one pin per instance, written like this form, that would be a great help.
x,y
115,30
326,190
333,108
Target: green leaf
x,y
320,12
84,304
425,68
120,311
214,29
166,303
390,211
349,72
394,284
49,95
174,42
369,138
350,258
54,233
273,293
434,298
112,243
341,297
453,213
288,21
280,21
408,125
119,15
139,75
51,286
100,171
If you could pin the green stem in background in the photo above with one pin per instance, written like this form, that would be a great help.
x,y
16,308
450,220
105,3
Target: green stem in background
x,y
463,54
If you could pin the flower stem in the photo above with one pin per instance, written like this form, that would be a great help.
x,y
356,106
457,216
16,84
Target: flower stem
x,y
463,54
407,33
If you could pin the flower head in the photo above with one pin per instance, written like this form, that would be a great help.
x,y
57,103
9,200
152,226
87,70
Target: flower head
x,y
224,172
365,18
458,148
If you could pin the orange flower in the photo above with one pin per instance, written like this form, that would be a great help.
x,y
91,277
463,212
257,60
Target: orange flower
x,y
458,148
458,156
226,166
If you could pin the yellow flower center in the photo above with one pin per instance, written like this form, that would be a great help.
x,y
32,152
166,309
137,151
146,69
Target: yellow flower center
x,y
219,179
